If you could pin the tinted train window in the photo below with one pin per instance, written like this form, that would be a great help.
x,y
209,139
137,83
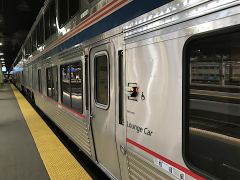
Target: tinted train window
x,y
73,7
67,9
72,87
101,79
28,49
47,23
39,81
212,106
55,83
62,11
65,83
53,27
40,33
76,87
49,82
34,40
50,20
52,82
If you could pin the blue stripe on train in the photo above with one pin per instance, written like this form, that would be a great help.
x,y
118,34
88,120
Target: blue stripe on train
x,y
126,13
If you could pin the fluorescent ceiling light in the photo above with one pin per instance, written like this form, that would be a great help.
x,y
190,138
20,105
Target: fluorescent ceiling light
x,y
1,44
1,54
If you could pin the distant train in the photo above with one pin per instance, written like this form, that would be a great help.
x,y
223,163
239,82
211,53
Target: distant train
x,y
116,75
218,73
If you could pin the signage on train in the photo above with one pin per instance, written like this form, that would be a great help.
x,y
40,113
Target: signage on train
x,y
139,129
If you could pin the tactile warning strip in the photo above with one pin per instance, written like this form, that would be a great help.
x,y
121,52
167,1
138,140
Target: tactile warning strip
x,y
59,162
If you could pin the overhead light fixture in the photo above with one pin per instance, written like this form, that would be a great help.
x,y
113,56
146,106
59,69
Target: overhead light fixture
x,y
1,44
1,54
2,59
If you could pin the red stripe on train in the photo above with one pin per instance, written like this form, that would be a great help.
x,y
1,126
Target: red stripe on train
x,y
185,170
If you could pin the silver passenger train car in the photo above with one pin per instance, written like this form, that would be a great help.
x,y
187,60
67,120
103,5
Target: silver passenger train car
x,y
119,77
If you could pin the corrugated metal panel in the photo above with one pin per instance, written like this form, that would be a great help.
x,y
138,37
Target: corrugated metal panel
x,y
139,168
74,127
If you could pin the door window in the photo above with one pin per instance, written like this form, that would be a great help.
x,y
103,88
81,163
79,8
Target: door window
x,y
101,79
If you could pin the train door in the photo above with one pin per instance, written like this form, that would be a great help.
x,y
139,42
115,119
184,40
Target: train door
x,y
103,107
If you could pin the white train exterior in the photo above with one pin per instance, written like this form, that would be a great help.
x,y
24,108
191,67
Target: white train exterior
x,y
124,94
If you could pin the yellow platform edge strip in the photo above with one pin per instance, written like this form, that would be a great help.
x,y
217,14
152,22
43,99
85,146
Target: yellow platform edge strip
x,y
59,162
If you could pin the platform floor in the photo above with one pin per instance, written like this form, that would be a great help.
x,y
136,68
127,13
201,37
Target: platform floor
x,y
29,150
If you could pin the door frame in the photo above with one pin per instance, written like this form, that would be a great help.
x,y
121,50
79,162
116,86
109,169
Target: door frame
x,y
92,97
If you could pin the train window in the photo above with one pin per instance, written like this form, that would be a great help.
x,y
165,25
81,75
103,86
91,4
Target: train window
x,y
50,20
86,82
73,7
28,49
46,23
72,88
101,78
63,12
55,83
34,40
212,105
76,86
40,33
65,84
52,82
121,87
39,81
49,82
52,25
67,9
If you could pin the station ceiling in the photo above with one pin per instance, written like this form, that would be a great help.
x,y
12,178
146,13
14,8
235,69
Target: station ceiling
x,y
16,19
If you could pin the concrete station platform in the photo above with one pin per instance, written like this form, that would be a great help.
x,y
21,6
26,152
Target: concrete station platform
x,y
29,150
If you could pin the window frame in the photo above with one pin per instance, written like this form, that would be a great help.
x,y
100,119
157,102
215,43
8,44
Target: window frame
x,y
97,54
186,96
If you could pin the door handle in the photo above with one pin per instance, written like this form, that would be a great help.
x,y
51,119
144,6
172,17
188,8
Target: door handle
x,y
91,116
123,149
